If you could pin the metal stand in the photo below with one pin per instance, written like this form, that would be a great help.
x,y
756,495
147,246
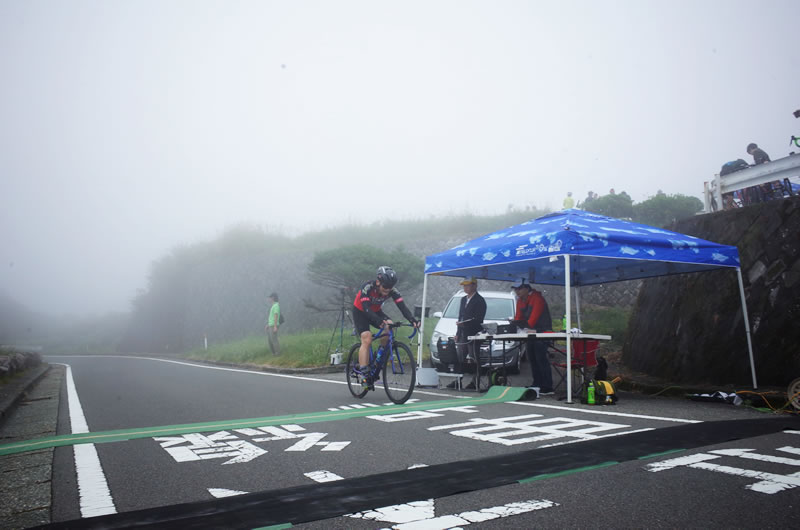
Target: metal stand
x,y
339,326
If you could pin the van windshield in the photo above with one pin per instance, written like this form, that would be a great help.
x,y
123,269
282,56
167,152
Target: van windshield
x,y
496,308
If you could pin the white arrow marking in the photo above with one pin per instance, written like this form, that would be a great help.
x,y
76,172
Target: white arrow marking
x,y
770,482
400,513
788,449
746,453
507,510
421,514
680,461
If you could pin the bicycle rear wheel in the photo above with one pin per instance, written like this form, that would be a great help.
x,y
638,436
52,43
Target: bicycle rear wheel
x,y
353,381
399,374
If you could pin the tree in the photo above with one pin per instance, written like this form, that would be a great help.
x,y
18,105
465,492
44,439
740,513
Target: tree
x,y
619,206
663,210
346,268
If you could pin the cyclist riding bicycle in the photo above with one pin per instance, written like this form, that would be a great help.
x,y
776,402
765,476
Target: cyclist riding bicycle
x,y
367,310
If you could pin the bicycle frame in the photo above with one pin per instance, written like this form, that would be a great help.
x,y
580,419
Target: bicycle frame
x,y
377,364
399,377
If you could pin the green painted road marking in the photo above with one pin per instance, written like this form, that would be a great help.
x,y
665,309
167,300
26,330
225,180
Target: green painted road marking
x,y
662,453
496,394
567,472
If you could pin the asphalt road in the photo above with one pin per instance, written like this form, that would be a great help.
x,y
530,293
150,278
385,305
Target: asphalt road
x,y
646,462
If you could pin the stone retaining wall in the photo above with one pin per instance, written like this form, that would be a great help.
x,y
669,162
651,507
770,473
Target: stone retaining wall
x,y
690,328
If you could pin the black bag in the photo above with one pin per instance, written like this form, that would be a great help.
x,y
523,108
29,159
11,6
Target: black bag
x,y
447,351
733,166
601,372
502,329
280,318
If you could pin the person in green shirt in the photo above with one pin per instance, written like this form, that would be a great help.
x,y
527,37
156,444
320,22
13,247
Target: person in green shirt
x,y
569,202
273,321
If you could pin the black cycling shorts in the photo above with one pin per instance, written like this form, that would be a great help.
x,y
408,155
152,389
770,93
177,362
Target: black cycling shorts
x,y
361,322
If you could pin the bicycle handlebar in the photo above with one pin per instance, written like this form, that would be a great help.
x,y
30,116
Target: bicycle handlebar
x,y
396,325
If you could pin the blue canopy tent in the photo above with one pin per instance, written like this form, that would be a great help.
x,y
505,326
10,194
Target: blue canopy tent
x,y
574,248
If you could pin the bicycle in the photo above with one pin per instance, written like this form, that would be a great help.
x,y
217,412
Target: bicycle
x,y
396,367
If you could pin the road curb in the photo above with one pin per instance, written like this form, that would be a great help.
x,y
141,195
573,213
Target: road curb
x,y
12,392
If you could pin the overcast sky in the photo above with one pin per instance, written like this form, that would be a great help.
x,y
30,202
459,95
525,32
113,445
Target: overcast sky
x,y
127,128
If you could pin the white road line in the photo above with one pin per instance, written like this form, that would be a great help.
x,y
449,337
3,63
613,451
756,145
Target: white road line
x,y
602,412
94,496
254,372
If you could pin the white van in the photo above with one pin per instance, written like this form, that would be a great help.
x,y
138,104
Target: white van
x,y
500,308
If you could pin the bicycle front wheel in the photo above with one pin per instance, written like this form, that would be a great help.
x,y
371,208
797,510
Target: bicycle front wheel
x,y
353,381
399,374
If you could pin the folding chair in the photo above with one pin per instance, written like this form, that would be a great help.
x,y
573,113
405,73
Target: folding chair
x,y
584,355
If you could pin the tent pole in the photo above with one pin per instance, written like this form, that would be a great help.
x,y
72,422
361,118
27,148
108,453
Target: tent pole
x,y
421,338
567,287
747,327
578,304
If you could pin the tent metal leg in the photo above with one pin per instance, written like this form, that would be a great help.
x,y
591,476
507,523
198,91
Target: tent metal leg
x,y
567,286
422,321
747,326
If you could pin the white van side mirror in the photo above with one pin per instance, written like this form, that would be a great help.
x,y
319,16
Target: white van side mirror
x,y
437,314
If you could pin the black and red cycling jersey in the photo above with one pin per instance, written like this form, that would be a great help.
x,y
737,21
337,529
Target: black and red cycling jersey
x,y
369,300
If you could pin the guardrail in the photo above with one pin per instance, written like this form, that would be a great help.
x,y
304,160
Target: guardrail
x,y
783,168
20,348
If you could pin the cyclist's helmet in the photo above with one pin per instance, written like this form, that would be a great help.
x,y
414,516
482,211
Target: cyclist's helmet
x,y
387,276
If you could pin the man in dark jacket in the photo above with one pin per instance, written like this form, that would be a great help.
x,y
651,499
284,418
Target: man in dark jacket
x,y
471,313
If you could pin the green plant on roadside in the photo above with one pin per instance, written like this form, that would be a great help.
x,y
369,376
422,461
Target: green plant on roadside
x,y
298,350
606,321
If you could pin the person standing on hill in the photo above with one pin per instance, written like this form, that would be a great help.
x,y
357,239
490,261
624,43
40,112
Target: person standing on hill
x,y
758,154
273,321
569,202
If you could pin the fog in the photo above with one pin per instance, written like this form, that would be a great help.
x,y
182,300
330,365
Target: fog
x,y
127,128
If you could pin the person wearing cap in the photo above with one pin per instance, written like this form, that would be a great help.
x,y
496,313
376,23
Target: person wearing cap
x,y
533,313
273,321
471,313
